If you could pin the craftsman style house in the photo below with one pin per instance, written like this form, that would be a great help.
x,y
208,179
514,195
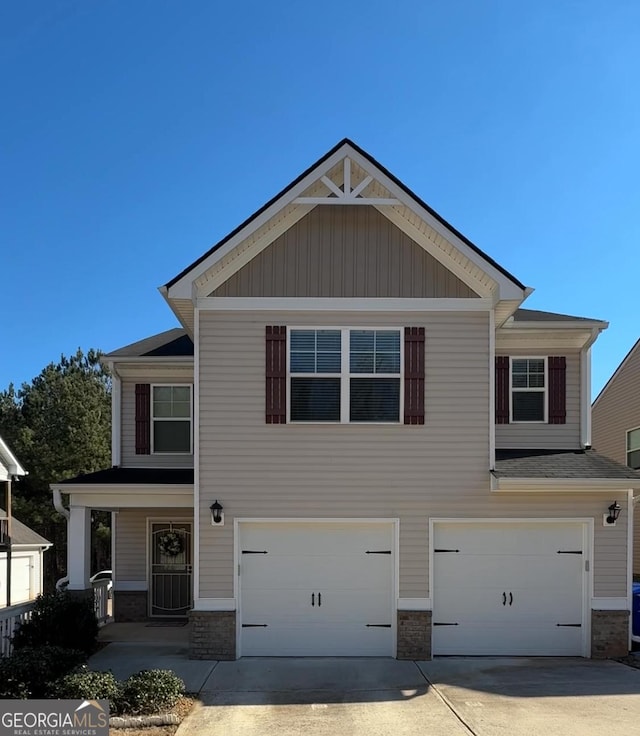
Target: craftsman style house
x,y
616,425
359,443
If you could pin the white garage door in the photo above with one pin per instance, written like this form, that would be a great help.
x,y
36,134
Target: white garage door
x,y
508,589
316,589
20,579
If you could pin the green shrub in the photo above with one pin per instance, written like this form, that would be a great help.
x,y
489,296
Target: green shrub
x,y
32,672
60,619
149,691
89,686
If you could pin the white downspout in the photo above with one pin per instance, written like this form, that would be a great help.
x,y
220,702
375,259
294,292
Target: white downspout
x,y
59,507
116,409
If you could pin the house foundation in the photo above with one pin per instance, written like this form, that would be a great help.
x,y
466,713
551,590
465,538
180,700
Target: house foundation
x,y
414,635
609,634
130,606
213,635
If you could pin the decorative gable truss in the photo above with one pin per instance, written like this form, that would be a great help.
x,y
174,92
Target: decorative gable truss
x,y
346,175
348,191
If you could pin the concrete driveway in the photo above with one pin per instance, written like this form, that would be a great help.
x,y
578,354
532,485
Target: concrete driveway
x,y
446,697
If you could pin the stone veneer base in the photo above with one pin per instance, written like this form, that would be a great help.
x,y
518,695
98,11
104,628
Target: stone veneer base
x,y
609,634
212,635
414,635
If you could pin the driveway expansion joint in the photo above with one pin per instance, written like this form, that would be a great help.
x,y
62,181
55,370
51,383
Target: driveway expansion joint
x,y
445,701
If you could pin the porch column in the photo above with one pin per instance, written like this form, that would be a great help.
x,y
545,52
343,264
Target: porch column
x,y
79,548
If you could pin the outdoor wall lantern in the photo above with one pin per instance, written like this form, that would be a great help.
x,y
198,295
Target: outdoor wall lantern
x,y
614,513
217,517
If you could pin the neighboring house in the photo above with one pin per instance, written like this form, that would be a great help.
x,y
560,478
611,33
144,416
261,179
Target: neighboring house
x,y
358,443
27,547
616,424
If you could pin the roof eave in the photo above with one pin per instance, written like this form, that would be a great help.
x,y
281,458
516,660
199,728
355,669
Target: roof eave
x,y
563,485
576,324
10,461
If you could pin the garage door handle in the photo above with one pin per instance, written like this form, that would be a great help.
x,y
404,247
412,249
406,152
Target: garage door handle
x,y
504,599
319,599
313,599
510,598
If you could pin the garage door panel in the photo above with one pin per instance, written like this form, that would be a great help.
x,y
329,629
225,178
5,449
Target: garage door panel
x,y
480,640
528,538
312,571
567,570
318,538
294,640
509,595
366,606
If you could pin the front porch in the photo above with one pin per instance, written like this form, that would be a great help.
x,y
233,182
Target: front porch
x,y
152,538
131,647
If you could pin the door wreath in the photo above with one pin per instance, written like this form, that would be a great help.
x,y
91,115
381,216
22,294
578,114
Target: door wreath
x,y
170,544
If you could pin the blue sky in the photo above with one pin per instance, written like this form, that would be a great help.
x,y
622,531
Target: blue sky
x,y
136,133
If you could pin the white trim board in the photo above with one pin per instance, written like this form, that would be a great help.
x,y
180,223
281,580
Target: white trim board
x,y
610,604
560,485
130,586
342,304
215,604
414,604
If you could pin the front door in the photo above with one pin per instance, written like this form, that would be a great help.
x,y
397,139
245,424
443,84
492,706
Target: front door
x,y
171,568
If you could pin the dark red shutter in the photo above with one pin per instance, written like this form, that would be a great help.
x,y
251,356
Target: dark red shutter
x,y
414,375
502,389
143,419
557,390
276,375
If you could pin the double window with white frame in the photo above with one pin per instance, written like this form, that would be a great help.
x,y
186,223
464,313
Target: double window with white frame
x,y
345,375
528,389
633,448
171,419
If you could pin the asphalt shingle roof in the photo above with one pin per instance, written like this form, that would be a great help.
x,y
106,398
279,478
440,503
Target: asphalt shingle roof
x,y
131,476
170,343
559,464
536,315
22,534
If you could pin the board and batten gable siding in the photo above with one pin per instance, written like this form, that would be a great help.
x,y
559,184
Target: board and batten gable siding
x,y
439,469
616,411
344,251
129,458
131,540
541,436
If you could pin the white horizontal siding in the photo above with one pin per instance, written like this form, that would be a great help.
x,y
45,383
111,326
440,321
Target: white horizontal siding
x,y
547,436
131,540
129,459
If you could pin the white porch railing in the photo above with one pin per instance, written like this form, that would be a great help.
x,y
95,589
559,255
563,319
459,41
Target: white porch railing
x,y
101,600
10,619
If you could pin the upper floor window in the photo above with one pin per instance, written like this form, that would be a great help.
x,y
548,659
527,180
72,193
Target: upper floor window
x,y
633,448
528,390
171,419
345,375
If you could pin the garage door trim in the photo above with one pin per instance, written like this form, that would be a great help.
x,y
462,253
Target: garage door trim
x,y
587,524
237,527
